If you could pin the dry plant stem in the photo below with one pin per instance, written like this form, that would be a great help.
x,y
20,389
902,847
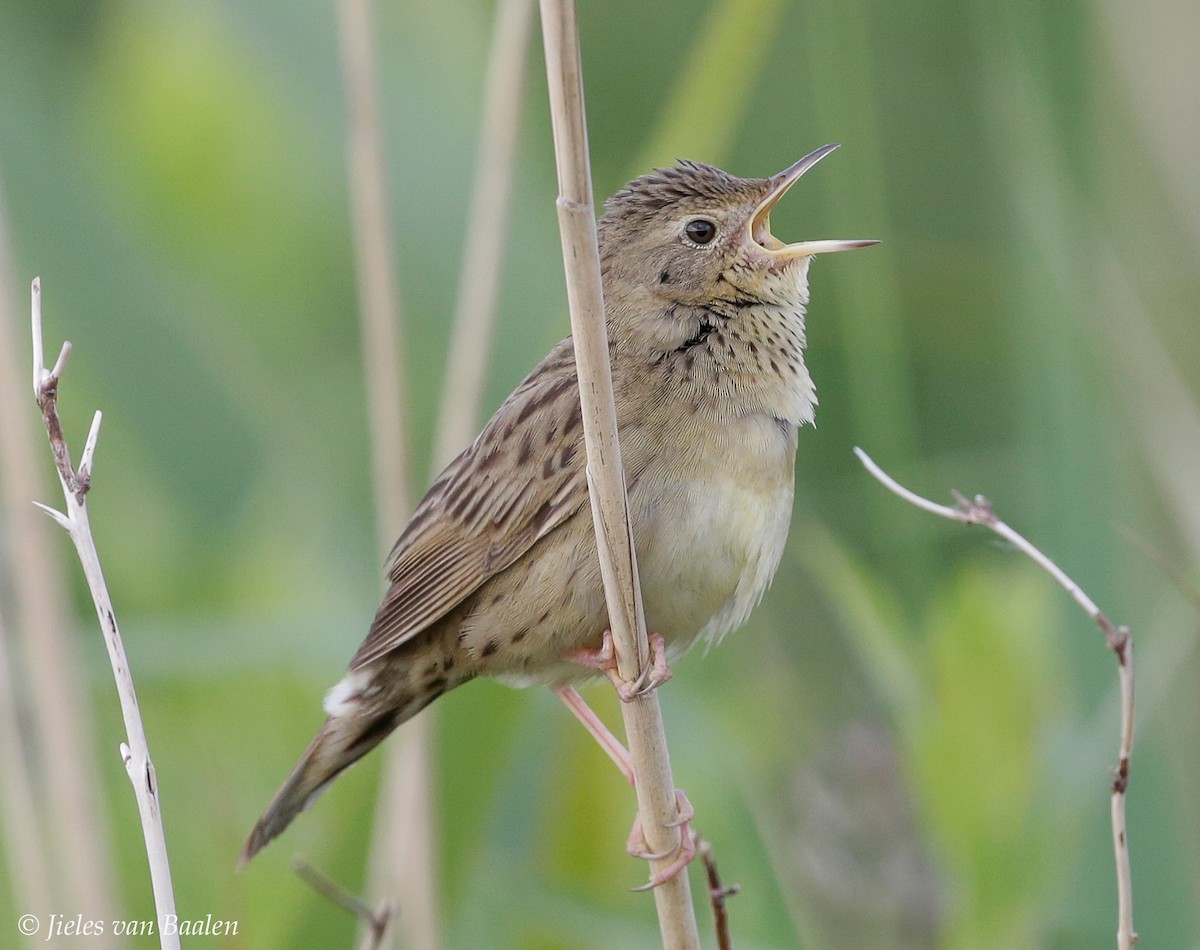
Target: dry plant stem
x,y
26,852
378,294
406,815
402,859
487,220
27,848
64,773
718,893
75,484
979,511
643,718
374,922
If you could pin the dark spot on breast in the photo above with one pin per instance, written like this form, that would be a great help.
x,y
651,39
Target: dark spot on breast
x,y
774,367
519,636
490,647
706,327
664,277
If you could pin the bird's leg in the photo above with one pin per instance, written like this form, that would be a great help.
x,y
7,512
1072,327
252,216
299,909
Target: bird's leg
x,y
651,677
600,732
636,844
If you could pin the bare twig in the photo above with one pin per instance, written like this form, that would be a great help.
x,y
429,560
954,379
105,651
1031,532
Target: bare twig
x,y
718,893
45,669
979,511
577,222
374,922
135,752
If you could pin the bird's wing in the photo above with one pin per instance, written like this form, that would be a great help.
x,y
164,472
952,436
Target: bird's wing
x,y
520,479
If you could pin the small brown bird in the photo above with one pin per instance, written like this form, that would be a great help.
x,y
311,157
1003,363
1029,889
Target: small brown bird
x,y
497,573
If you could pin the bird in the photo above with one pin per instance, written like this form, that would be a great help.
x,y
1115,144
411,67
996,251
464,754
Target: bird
x,y
497,574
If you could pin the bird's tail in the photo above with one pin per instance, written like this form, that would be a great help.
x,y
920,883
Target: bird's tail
x,y
341,741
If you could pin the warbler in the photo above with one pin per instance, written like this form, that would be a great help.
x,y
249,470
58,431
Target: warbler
x,y
497,572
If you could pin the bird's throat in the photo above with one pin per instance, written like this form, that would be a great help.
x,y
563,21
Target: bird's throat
x,y
750,361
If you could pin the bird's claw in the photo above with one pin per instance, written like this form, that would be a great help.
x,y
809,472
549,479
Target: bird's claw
x,y
684,851
652,676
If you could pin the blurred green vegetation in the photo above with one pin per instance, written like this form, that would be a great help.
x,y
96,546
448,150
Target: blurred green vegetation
x,y
909,744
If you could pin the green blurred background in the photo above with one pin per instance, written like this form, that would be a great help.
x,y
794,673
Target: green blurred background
x,y
908,746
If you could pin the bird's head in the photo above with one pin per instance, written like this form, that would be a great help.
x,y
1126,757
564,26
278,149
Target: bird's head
x,y
697,236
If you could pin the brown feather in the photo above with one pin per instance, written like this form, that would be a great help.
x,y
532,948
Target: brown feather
x,y
471,525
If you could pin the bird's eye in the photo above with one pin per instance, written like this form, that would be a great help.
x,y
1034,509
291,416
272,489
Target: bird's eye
x,y
700,231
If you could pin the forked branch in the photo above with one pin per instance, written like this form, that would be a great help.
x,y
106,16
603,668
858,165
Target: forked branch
x,y
978,510
718,893
135,752
374,922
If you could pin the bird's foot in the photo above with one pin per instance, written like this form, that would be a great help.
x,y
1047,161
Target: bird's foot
x,y
652,676
684,851
657,672
636,844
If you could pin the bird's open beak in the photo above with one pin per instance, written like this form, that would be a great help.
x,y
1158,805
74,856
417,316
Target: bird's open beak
x,y
760,221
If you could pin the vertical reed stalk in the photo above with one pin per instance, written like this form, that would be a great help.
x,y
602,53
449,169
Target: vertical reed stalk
x,y
402,864
577,222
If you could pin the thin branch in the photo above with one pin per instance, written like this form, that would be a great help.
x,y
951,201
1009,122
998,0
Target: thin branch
x,y
135,752
718,893
979,511
374,922
46,669
403,858
643,717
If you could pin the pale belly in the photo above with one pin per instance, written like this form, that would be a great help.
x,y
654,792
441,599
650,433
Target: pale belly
x,y
709,526
710,539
